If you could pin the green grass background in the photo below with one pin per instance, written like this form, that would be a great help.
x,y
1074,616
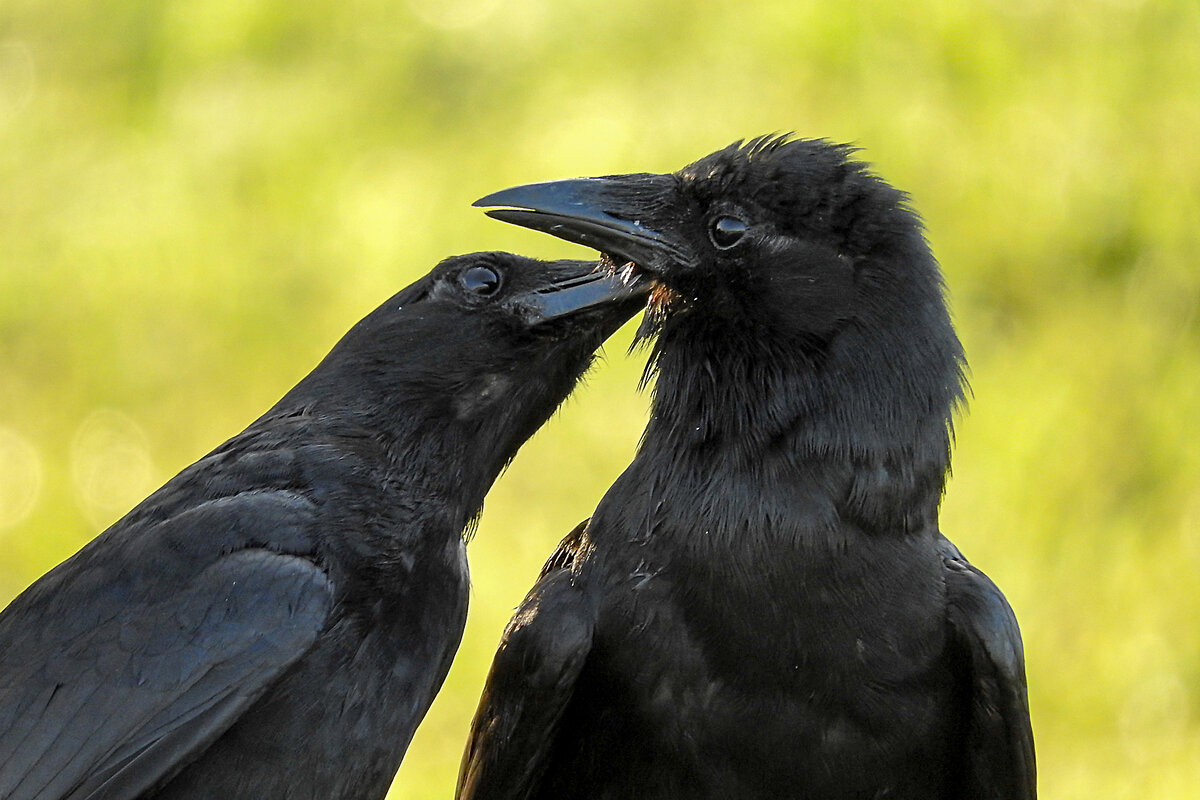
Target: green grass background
x,y
197,198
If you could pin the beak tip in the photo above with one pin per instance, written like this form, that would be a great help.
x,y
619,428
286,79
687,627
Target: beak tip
x,y
485,201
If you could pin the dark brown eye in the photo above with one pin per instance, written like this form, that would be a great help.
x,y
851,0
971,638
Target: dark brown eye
x,y
482,281
725,232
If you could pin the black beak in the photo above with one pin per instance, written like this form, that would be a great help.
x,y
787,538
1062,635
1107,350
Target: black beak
x,y
591,289
601,213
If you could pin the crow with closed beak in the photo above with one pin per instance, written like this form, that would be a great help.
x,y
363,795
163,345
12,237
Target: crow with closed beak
x,y
275,621
762,605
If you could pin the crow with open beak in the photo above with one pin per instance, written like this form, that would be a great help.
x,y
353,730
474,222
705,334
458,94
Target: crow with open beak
x,y
762,605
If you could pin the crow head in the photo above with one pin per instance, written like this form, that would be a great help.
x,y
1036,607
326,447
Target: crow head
x,y
472,358
796,296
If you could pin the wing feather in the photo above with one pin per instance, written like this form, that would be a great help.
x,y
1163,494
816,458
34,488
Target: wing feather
x,y
999,759
110,709
530,684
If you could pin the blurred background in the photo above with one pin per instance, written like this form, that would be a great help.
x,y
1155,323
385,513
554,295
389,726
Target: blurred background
x,y
197,198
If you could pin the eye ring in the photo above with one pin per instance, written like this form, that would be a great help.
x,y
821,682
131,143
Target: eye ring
x,y
480,280
725,232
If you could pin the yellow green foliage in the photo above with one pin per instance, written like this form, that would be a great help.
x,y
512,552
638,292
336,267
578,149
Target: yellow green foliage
x,y
197,198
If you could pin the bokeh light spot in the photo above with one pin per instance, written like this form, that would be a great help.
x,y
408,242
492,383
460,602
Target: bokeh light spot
x,y
110,465
20,477
1154,716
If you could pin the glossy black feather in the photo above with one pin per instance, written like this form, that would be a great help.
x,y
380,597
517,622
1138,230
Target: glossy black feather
x,y
544,648
773,610
275,620
999,742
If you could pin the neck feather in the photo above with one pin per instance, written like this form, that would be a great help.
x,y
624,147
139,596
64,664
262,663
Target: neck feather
x,y
877,423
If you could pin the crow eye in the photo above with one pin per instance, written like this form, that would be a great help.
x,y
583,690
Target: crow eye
x,y
482,281
725,232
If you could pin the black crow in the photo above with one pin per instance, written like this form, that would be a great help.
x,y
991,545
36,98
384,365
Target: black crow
x,y
275,621
762,605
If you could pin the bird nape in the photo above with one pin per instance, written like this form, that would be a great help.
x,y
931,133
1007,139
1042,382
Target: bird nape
x,y
276,619
762,605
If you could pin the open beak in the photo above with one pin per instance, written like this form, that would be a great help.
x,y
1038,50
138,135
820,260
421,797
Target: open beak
x,y
592,289
601,213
